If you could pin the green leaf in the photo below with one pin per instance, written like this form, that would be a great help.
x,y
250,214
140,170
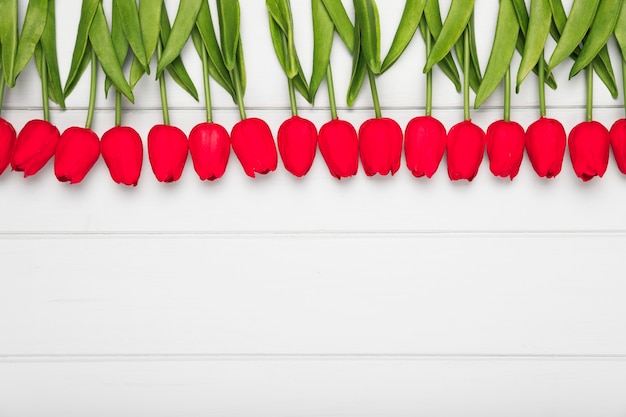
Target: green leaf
x,y
120,43
32,29
136,72
228,15
181,30
150,20
342,22
447,65
87,13
8,37
80,69
241,67
620,31
176,68
369,28
505,39
102,44
279,41
218,70
411,16
456,21
359,68
54,94
536,36
131,25
48,44
323,35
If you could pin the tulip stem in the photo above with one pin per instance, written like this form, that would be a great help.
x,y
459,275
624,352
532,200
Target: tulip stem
x,y
2,86
466,77
207,86
590,92
507,95
623,83
374,90
118,108
92,89
44,88
331,92
239,92
429,74
164,107
542,85
292,97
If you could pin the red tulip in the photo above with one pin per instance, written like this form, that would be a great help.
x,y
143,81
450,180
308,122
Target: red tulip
x,y
35,145
77,152
167,152
209,146
7,144
505,148
339,146
122,151
380,146
589,144
254,146
424,145
466,147
545,144
618,143
297,144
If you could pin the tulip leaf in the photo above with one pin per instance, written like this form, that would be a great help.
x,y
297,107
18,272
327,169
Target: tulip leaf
x,y
48,44
54,93
359,68
620,31
229,19
411,17
199,45
120,43
342,22
102,44
131,26
323,35
150,18
180,31
34,24
206,30
87,13
284,52
369,28
8,37
432,14
241,66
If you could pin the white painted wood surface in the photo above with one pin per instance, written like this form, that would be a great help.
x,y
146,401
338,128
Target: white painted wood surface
x,y
283,296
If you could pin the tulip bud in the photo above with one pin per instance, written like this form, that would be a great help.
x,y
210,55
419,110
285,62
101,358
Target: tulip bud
x,y
77,152
254,146
424,145
122,152
545,144
35,145
466,148
380,146
339,146
618,143
7,144
167,152
505,148
209,146
297,144
589,144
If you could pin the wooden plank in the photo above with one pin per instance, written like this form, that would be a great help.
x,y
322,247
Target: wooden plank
x,y
289,387
282,294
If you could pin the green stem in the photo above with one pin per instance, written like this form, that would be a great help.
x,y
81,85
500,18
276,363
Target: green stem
x,y
44,89
507,95
92,89
207,86
590,92
623,82
466,77
372,81
2,86
292,97
166,113
239,92
429,74
331,92
118,108
542,85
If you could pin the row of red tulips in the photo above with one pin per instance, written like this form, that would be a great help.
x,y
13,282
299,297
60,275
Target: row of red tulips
x,y
379,145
